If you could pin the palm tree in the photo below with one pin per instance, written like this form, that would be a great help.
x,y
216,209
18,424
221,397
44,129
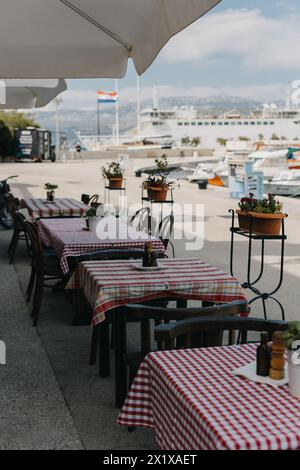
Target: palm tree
x,y
185,141
222,141
196,141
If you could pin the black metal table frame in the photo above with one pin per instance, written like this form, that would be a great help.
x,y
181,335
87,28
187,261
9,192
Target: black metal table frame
x,y
249,284
151,202
107,190
118,320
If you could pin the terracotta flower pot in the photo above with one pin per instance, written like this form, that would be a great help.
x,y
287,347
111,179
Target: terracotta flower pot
x,y
116,183
267,224
244,219
149,192
158,194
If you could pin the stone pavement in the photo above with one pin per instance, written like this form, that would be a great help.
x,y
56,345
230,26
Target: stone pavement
x,y
33,411
51,397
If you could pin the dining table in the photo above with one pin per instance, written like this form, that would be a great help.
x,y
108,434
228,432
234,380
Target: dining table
x,y
193,400
60,207
110,285
70,237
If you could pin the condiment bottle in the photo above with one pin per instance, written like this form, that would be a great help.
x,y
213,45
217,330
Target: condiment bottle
x,y
263,356
277,357
147,255
153,259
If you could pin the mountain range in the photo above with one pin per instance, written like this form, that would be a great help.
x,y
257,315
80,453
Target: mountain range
x,y
85,121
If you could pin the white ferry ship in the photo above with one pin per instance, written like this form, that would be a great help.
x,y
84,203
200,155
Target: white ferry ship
x,y
267,124
172,125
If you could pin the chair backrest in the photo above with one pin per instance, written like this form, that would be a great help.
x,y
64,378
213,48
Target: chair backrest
x,y
103,255
142,220
165,229
20,221
192,330
93,200
85,198
145,313
36,246
14,205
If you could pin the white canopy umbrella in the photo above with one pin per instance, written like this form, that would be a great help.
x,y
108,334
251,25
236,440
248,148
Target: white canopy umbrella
x,y
27,94
88,38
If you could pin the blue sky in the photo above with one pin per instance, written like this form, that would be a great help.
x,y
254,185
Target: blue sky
x,y
242,47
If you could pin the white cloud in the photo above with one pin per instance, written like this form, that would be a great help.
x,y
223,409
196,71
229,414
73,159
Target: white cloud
x,y
256,40
259,43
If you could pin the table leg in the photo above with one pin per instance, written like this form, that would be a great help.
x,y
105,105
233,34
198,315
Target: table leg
x,y
104,349
119,322
81,308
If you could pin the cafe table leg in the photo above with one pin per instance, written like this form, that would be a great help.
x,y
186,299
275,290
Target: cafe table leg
x,y
119,322
103,348
181,303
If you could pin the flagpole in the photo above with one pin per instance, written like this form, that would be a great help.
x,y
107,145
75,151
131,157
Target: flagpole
x,y
98,121
138,105
117,111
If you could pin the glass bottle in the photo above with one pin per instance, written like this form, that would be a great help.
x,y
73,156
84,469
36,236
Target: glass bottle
x,y
147,255
263,356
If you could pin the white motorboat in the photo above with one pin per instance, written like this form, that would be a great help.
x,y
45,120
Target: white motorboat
x,y
270,162
202,172
287,183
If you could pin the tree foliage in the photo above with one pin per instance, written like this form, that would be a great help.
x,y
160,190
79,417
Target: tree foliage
x,y
196,141
185,141
9,121
222,141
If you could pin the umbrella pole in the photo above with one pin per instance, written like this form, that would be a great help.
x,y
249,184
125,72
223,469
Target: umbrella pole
x,y
98,121
117,112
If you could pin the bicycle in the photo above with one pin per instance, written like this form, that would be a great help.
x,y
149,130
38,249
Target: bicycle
x,y
6,216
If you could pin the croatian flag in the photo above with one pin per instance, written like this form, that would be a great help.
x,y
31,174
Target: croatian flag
x,y
107,97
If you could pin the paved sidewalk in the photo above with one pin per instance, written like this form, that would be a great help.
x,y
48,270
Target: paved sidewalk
x,y
33,412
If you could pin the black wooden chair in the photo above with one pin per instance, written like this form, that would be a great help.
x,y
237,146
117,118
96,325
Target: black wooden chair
x,y
94,200
90,200
208,331
85,198
81,308
165,230
19,231
141,220
45,267
102,255
144,314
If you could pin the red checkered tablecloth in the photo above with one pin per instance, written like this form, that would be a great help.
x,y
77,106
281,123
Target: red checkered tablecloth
x,y
68,237
60,207
193,401
110,284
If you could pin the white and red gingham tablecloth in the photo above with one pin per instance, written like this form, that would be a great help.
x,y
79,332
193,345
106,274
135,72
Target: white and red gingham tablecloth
x,y
193,401
68,237
110,284
65,207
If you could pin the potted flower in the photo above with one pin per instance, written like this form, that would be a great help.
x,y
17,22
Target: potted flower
x,y
148,184
157,184
114,173
50,188
291,338
91,219
266,215
246,205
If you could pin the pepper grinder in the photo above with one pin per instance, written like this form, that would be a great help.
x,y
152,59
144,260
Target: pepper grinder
x,y
277,357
